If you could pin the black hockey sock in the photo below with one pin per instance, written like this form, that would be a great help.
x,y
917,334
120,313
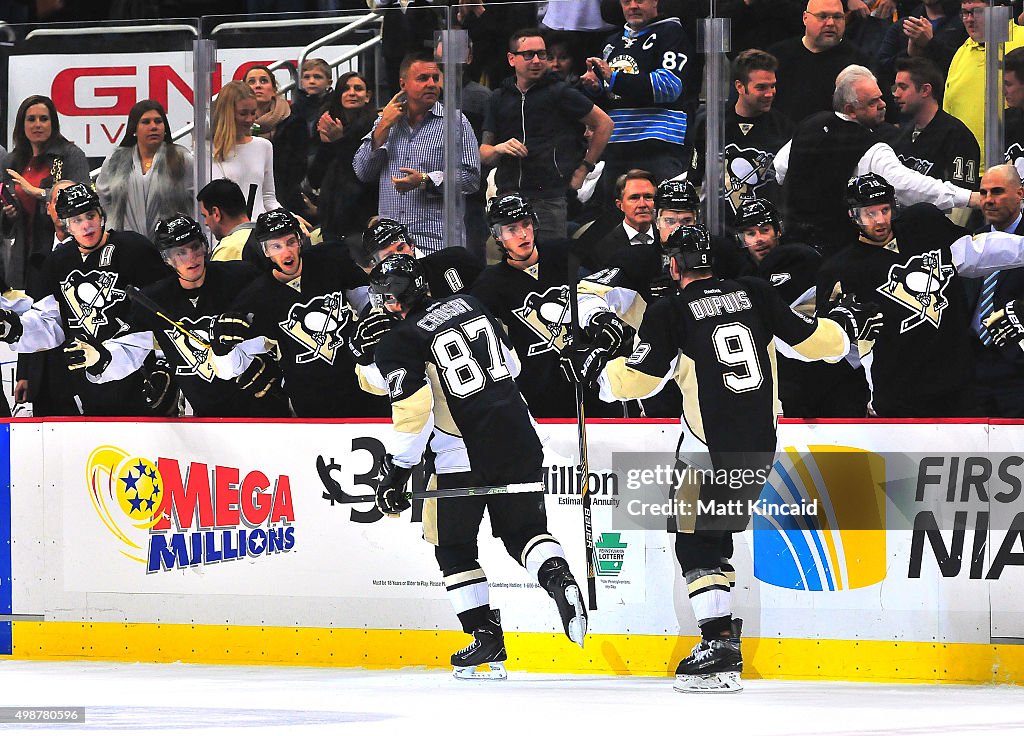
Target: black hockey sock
x,y
474,618
714,628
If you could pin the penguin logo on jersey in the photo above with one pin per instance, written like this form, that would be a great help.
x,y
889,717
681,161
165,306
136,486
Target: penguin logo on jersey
x,y
622,63
920,285
318,325
1014,153
746,171
920,165
89,296
196,360
547,315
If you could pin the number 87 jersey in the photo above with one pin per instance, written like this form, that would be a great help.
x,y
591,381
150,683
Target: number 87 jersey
x,y
450,374
716,340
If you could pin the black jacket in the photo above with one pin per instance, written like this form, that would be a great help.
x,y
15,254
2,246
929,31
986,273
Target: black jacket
x,y
545,119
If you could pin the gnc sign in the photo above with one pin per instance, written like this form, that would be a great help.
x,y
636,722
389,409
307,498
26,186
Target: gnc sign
x,y
93,93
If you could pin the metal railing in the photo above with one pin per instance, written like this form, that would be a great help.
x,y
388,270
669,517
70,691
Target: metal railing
x,y
350,26
104,30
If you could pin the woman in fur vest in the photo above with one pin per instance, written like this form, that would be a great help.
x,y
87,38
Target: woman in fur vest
x,y
147,178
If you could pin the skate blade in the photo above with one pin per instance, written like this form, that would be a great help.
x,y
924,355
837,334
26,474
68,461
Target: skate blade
x,y
723,682
497,671
578,623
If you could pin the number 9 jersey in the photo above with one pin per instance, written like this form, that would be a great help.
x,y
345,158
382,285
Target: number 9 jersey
x,y
450,371
716,340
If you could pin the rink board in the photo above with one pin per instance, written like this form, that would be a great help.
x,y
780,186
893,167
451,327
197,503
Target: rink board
x,y
248,561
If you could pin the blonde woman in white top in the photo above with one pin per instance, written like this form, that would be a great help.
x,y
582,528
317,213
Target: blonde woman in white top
x,y
237,155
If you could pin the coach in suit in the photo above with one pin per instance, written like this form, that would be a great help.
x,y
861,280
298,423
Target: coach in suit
x,y
634,197
998,372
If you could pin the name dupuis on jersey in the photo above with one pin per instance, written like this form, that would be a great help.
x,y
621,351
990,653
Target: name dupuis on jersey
x,y
715,306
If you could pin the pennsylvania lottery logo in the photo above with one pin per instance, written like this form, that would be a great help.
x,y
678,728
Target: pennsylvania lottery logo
x,y
216,514
609,554
840,548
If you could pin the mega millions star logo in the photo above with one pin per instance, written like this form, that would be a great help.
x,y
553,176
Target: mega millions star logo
x,y
167,519
127,493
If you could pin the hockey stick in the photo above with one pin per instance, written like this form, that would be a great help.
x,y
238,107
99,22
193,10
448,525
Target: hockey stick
x,y
336,494
581,419
536,487
136,295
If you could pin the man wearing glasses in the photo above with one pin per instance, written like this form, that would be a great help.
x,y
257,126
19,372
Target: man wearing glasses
x,y
965,82
539,121
808,65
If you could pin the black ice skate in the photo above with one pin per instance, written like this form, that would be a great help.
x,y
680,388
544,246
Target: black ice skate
x,y
556,578
488,648
713,666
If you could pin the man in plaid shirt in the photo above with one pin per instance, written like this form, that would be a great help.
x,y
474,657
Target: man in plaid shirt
x,y
405,153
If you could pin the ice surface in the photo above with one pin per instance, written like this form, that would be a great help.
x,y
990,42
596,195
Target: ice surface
x,y
229,700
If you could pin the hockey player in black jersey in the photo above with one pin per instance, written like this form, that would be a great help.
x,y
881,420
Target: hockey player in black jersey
x,y
716,340
305,306
85,280
528,292
448,271
198,291
450,374
806,389
911,265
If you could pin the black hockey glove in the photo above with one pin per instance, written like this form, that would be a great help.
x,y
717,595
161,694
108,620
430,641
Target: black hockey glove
x,y
229,329
1005,325
582,363
369,331
862,322
663,286
160,389
260,377
390,495
10,326
88,355
609,332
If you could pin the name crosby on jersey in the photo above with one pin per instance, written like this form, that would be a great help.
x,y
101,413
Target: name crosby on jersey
x,y
713,306
442,313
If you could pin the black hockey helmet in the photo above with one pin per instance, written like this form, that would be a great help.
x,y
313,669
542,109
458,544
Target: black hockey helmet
x,y
690,245
400,279
756,212
76,199
678,195
178,231
869,189
509,208
379,234
274,224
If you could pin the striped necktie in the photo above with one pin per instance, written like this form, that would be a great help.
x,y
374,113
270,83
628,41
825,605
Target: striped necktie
x,y
985,301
